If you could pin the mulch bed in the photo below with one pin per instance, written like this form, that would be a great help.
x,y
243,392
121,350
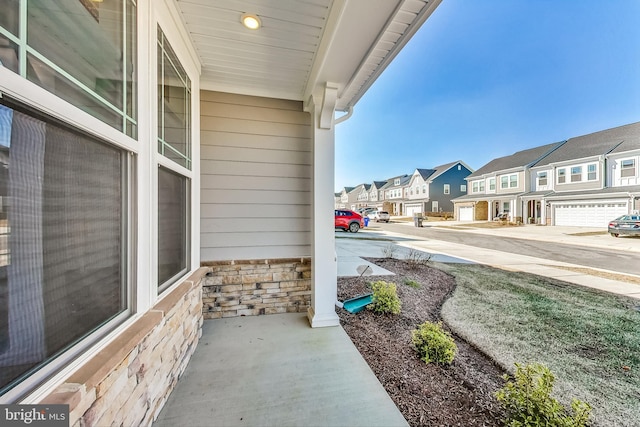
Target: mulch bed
x,y
461,394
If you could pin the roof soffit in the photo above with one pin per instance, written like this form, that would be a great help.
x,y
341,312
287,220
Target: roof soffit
x,y
301,45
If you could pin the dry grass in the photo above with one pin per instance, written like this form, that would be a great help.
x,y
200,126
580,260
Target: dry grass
x,y
589,339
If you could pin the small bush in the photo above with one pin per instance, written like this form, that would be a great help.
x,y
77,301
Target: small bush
x,y
389,251
527,401
385,298
412,283
416,258
433,343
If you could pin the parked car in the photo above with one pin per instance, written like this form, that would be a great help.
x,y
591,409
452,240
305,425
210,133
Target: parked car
x,y
379,216
348,220
625,224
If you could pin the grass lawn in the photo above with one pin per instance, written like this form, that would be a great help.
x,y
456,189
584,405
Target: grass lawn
x,y
589,339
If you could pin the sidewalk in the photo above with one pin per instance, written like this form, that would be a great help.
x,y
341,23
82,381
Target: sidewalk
x,y
349,248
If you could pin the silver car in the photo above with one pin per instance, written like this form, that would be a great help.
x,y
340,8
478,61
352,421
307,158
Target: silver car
x,y
625,224
379,216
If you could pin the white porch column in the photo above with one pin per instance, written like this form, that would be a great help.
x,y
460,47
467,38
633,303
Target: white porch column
x,y
324,267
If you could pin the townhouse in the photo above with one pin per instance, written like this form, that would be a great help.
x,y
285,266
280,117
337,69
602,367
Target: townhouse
x,y
432,190
583,181
495,188
589,180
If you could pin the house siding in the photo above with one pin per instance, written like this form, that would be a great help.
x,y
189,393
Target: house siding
x,y
255,178
454,178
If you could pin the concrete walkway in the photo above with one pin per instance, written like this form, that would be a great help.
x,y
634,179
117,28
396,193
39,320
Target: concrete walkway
x,y
277,371
582,236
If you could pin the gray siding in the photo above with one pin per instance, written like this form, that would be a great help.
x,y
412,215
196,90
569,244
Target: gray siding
x,y
255,177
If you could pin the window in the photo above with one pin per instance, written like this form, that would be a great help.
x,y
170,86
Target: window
x,y
475,186
504,181
562,176
64,240
513,181
173,202
542,179
81,51
492,184
592,174
396,181
481,186
463,188
424,189
576,174
447,189
174,142
628,168
174,106
434,206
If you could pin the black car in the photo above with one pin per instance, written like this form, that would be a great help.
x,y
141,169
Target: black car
x,y
625,224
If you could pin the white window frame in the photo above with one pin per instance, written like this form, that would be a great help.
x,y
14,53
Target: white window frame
x,y
183,50
543,176
492,184
576,173
447,189
463,188
628,167
504,182
562,176
591,173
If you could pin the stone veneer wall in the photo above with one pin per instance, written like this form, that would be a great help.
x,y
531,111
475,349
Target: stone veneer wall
x,y
128,382
256,287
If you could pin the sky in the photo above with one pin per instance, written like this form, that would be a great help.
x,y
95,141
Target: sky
x,y
485,79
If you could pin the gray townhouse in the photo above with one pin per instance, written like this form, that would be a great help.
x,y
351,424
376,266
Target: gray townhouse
x,y
495,188
394,194
583,181
588,181
432,190
376,194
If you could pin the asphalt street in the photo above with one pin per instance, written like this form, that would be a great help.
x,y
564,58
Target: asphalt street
x,y
603,258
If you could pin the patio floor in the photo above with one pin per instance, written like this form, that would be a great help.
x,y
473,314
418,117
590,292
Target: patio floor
x,y
277,371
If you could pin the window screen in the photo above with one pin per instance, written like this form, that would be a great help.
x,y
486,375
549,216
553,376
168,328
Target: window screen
x,y
62,239
173,200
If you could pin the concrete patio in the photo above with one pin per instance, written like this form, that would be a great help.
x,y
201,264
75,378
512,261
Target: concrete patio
x,y
277,371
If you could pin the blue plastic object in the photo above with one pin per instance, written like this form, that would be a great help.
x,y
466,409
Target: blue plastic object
x,y
366,221
358,303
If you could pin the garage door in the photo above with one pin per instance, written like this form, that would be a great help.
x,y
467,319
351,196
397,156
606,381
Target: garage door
x,y
589,214
466,213
411,210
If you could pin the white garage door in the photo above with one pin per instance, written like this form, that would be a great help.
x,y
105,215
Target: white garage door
x,y
466,213
589,214
411,210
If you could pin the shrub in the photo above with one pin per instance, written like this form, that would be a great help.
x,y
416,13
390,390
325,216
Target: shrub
x,y
527,400
417,258
389,251
433,343
385,298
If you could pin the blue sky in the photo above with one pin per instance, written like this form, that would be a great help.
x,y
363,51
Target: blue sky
x,y
484,79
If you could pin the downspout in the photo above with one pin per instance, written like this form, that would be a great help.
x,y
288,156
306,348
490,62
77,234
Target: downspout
x,y
345,117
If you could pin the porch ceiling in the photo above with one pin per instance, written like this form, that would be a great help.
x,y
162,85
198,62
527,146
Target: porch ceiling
x,y
301,44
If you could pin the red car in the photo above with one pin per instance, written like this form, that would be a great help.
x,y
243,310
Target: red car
x,y
348,220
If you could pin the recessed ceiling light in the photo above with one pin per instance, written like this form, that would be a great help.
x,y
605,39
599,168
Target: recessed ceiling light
x,y
251,21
